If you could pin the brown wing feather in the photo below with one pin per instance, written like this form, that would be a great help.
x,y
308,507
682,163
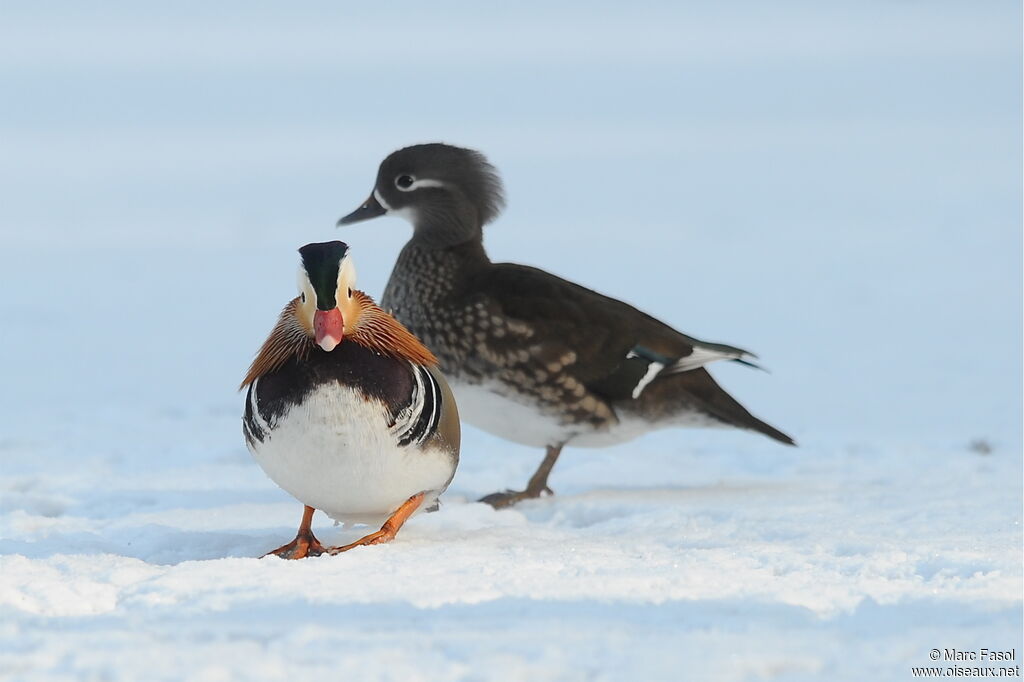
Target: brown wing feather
x,y
600,330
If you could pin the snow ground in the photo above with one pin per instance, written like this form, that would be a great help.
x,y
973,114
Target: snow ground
x,y
836,187
759,563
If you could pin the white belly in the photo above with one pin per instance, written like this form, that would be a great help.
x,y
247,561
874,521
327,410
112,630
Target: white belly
x,y
486,407
493,409
335,453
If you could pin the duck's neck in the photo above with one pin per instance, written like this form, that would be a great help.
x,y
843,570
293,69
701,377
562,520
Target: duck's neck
x,y
426,272
446,223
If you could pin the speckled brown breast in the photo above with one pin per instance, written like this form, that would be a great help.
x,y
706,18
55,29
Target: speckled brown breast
x,y
430,292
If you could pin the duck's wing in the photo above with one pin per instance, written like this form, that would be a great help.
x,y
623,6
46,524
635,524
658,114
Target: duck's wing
x,y
612,348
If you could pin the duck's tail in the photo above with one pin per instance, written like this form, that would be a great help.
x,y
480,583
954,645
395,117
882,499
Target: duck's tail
x,y
701,394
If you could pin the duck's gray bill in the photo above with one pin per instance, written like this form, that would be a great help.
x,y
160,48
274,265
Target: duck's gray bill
x,y
371,208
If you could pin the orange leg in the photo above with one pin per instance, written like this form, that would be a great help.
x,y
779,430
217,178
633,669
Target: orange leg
x,y
390,528
304,543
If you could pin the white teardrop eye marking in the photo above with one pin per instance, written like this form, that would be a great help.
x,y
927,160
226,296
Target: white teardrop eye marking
x,y
306,292
346,276
408,183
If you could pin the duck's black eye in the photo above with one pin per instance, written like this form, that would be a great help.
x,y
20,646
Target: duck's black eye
x,y
404,181
350,292
303,296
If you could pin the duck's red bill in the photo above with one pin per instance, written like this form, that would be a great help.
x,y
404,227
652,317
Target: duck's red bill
x,y
329,328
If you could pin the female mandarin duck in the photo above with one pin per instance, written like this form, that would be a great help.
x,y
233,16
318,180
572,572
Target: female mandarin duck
x,y
346,409
534,358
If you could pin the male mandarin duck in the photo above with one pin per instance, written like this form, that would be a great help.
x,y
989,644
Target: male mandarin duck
x,y
346,409
533,358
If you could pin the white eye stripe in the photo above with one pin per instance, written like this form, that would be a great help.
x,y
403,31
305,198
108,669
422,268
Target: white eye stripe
x,y
426,182
416,184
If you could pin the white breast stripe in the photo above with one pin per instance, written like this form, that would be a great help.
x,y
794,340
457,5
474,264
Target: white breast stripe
x,y
410,413
254,405
418,421
427,423
435,402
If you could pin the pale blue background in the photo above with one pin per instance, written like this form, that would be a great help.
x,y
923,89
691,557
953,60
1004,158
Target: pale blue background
x,y
833,185
836,186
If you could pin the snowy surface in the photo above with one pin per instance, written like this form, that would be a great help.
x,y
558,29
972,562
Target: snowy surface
x,y
836,186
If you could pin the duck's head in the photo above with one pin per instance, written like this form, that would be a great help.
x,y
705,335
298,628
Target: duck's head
x,y
447,193
327,308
